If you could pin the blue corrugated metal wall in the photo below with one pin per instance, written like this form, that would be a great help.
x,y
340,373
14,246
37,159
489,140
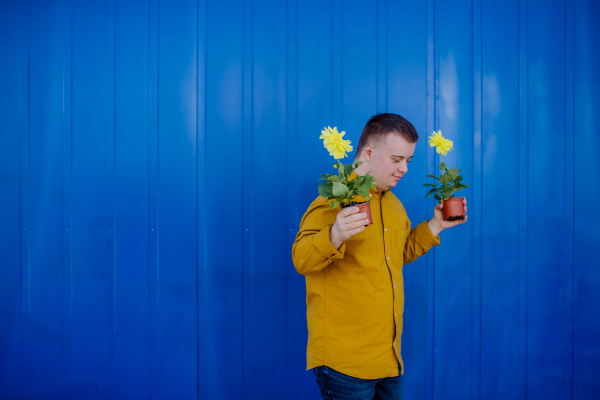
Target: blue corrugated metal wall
x,y
156,158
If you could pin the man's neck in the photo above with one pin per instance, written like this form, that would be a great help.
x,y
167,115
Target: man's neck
x,y
363,168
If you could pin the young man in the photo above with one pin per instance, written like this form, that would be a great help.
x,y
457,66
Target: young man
x,y
354,284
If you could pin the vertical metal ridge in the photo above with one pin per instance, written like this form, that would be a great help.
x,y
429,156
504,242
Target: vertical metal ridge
x,y
569,193
62,191
25,217
23,185
340,57
247,269
153,294
201,168
288,382
332,56
386,72
431,76
336,63
377,51
149,224
381,73
205,168
110,157
291,137
67,185
523,186
200,207
71,322
197,213
477,204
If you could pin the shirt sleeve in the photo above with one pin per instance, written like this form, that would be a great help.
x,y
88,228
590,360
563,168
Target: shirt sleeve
x,y
312,250
418,241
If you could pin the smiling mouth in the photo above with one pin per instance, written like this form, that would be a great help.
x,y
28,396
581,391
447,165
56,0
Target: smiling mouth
x,y
397,177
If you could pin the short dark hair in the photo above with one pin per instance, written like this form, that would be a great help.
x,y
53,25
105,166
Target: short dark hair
x,y
380,125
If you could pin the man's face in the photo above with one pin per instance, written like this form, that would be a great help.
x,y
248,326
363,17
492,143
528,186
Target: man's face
x,y
389,160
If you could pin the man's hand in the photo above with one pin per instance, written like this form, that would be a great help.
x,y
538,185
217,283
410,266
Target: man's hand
x,y
437,223
348,223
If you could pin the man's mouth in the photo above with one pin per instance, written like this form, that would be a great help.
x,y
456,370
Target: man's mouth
x,y
397,177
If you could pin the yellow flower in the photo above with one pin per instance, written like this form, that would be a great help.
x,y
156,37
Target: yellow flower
x,y
335,166
333,142
441,144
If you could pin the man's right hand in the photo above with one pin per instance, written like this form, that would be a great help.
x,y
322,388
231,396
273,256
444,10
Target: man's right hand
x,y
348,223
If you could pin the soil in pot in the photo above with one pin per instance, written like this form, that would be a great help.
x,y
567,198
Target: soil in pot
x,y
453,209
362,207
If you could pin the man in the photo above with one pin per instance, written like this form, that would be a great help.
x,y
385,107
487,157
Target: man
x,y
354,283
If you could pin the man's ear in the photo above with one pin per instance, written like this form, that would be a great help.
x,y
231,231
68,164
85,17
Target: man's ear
x,y
368,153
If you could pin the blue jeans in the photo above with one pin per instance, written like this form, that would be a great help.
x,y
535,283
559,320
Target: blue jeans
x,y
334,385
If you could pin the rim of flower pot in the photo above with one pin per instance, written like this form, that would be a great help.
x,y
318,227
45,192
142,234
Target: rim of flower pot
x,y
345,205
454,198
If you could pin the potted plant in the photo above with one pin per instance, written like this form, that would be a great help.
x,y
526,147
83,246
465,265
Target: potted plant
x,y
338,187
448,183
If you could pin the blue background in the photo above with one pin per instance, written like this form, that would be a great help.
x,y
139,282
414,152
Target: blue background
x,y
156,158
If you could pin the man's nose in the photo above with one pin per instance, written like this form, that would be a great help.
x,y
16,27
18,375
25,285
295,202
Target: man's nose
x,y
403,168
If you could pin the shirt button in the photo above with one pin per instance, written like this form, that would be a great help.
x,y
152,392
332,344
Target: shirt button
x,y
394,343
394,285
388,258
395,315
370,195
385,229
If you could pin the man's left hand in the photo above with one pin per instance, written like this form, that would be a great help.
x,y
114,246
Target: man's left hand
x,y
438,224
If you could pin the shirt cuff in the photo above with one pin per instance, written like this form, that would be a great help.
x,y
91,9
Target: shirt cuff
x,y
424,237
323,244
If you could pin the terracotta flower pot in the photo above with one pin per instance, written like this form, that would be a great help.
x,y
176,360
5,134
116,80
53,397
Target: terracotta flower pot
x,y
362,207
453,209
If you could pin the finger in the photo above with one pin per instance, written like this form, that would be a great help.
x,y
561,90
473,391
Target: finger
x,y
348,211
356,230
465,201
356,224
465,208
353,218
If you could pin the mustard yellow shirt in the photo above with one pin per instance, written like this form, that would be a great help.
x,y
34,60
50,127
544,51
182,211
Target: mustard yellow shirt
x,y
355,294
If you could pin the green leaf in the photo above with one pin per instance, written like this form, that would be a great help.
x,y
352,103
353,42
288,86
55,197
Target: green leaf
x,y
333,178
453,173
442,166
364,183
437,197
446,193
432,191
357,164
432,176
326,190
341,169
339,189
445,178
348,170
333,205
428,184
